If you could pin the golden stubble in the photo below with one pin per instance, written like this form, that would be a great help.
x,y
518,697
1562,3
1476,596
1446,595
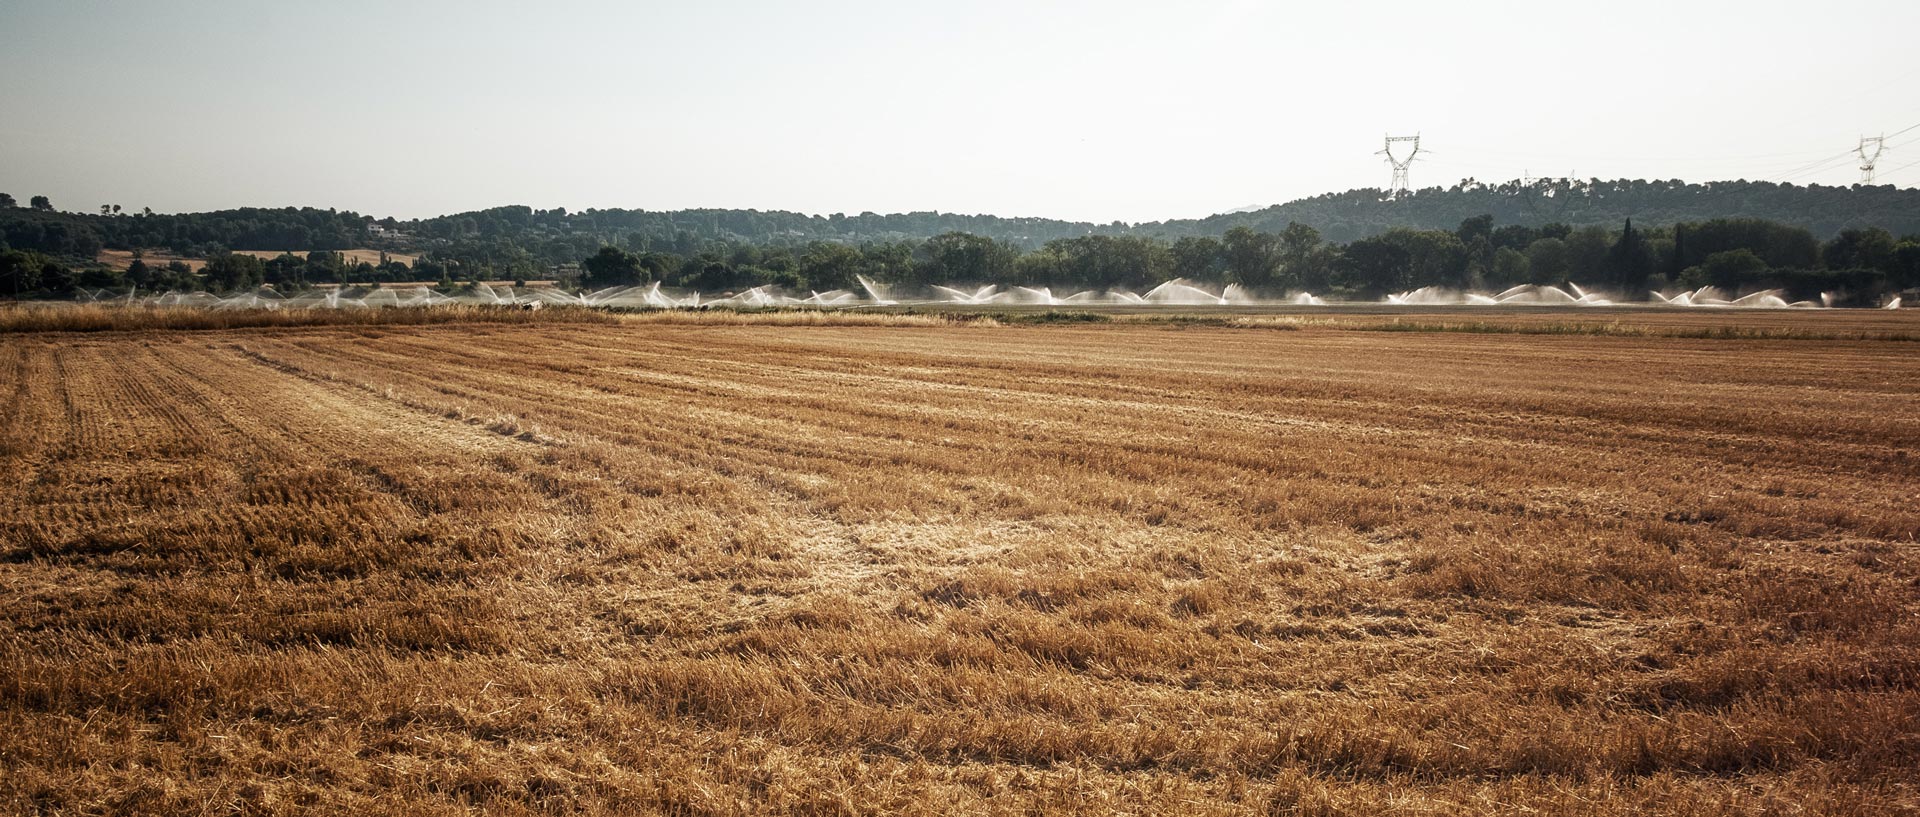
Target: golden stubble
x,y
666,564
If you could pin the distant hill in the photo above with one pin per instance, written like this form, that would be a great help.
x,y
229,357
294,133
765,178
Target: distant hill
x,y
559,235
1361,213
1338,216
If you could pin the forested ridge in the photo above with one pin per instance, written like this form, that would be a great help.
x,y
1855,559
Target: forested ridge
x,y
1631,235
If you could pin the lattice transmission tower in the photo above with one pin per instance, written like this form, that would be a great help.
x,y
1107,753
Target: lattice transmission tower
x,y
1870,149
1400,185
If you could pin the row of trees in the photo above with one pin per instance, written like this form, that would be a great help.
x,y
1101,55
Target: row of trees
x,y
27,272
1339,217
288,272
519,240
41,228
1737,255
40,203
1734,254
1481,251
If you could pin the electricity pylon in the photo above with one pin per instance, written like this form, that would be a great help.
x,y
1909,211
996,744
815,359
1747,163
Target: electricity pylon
x,y
1400,166
1870,149
1560,190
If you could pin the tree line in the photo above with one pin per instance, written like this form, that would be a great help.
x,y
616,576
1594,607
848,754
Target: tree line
x,y
26,273
1340,217
1737,255
81,235
527,239
44,250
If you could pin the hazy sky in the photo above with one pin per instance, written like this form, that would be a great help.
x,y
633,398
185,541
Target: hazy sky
x,y
1099,111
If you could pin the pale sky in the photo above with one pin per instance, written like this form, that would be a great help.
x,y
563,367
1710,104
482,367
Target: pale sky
x,y
1096,111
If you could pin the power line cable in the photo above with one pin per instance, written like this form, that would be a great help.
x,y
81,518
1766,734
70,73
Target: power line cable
x,y
1829,163
1797,170
1900,168
1818,164
1562,156
1903,130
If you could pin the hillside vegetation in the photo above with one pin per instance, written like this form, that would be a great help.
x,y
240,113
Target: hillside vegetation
x,y
1852,246
1341,217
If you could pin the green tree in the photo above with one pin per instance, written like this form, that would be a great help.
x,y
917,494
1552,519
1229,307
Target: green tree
x,y
1587,250
1305,260
1439,257
963,258
1871,248
826,265
1252,258
56,277
1782,246
19,272
1629,261
231,271
888,261
612,266
7,202
41,203
1480,226
1197,258
180,276
1547,261
709,273
100,277
1906,264
1401,259
1515,237
1098,261
328,267
1042,267
287,269
658,264
1509,267
1729,270
1375,266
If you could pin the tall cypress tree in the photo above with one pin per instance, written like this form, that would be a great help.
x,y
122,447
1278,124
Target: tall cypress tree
x,y
1630,261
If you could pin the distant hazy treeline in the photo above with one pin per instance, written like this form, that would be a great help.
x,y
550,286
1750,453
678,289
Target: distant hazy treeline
x,y
1807,240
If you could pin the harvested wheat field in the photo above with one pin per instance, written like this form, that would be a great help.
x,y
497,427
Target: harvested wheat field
x,y
1121,568
122,259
